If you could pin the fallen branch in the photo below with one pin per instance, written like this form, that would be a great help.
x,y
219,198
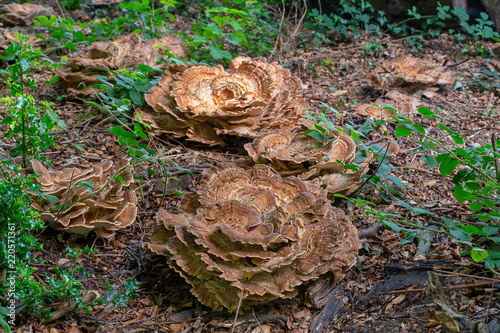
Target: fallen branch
x,y
464,286
370,231
72,306
424,242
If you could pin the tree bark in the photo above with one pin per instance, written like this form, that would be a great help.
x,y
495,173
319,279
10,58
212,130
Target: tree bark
x,y
493,10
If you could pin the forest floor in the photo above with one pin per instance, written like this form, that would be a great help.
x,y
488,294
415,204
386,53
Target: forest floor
x,y
335,75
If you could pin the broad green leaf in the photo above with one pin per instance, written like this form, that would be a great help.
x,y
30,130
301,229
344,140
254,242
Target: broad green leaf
x,y
315,135
218,53
402,131
478,254
136,98
459,234
426,112
319,128
476,206
54,80
124,137
70,45
447,166
491,229
491,264
460,193
429,160
471,230
483,216
146,68
392,225
56,119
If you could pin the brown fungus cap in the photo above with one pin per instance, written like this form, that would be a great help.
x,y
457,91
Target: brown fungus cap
x,y
287,151
256,234
202,102
105,207
126,51
22,14
410,71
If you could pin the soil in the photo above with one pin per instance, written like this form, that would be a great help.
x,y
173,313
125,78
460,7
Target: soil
x,y
387,291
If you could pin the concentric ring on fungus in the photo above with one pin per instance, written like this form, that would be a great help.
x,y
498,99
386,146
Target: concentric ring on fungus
x,y
203,102
254,232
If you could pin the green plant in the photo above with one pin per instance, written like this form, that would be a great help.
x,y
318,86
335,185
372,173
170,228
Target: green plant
x,y
124,87
349,20
239,24
483,29
73,4
325,130
137,17
488,79
476,179
31,123
63,32
120,295
4,314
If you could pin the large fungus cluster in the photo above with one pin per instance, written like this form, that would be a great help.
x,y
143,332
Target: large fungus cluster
x,y
255,235
86,200
126,51
202,102
403,103
22,14
408,70
309,159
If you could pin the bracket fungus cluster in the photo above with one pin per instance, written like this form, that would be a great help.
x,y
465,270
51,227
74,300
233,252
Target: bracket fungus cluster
x,y
22,14
126,51
412,74
405,105
87,200
255,235
202,102
309,159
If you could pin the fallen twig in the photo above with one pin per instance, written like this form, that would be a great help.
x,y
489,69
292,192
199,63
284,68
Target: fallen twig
x,y
464,286
88,297
424,242
370,231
